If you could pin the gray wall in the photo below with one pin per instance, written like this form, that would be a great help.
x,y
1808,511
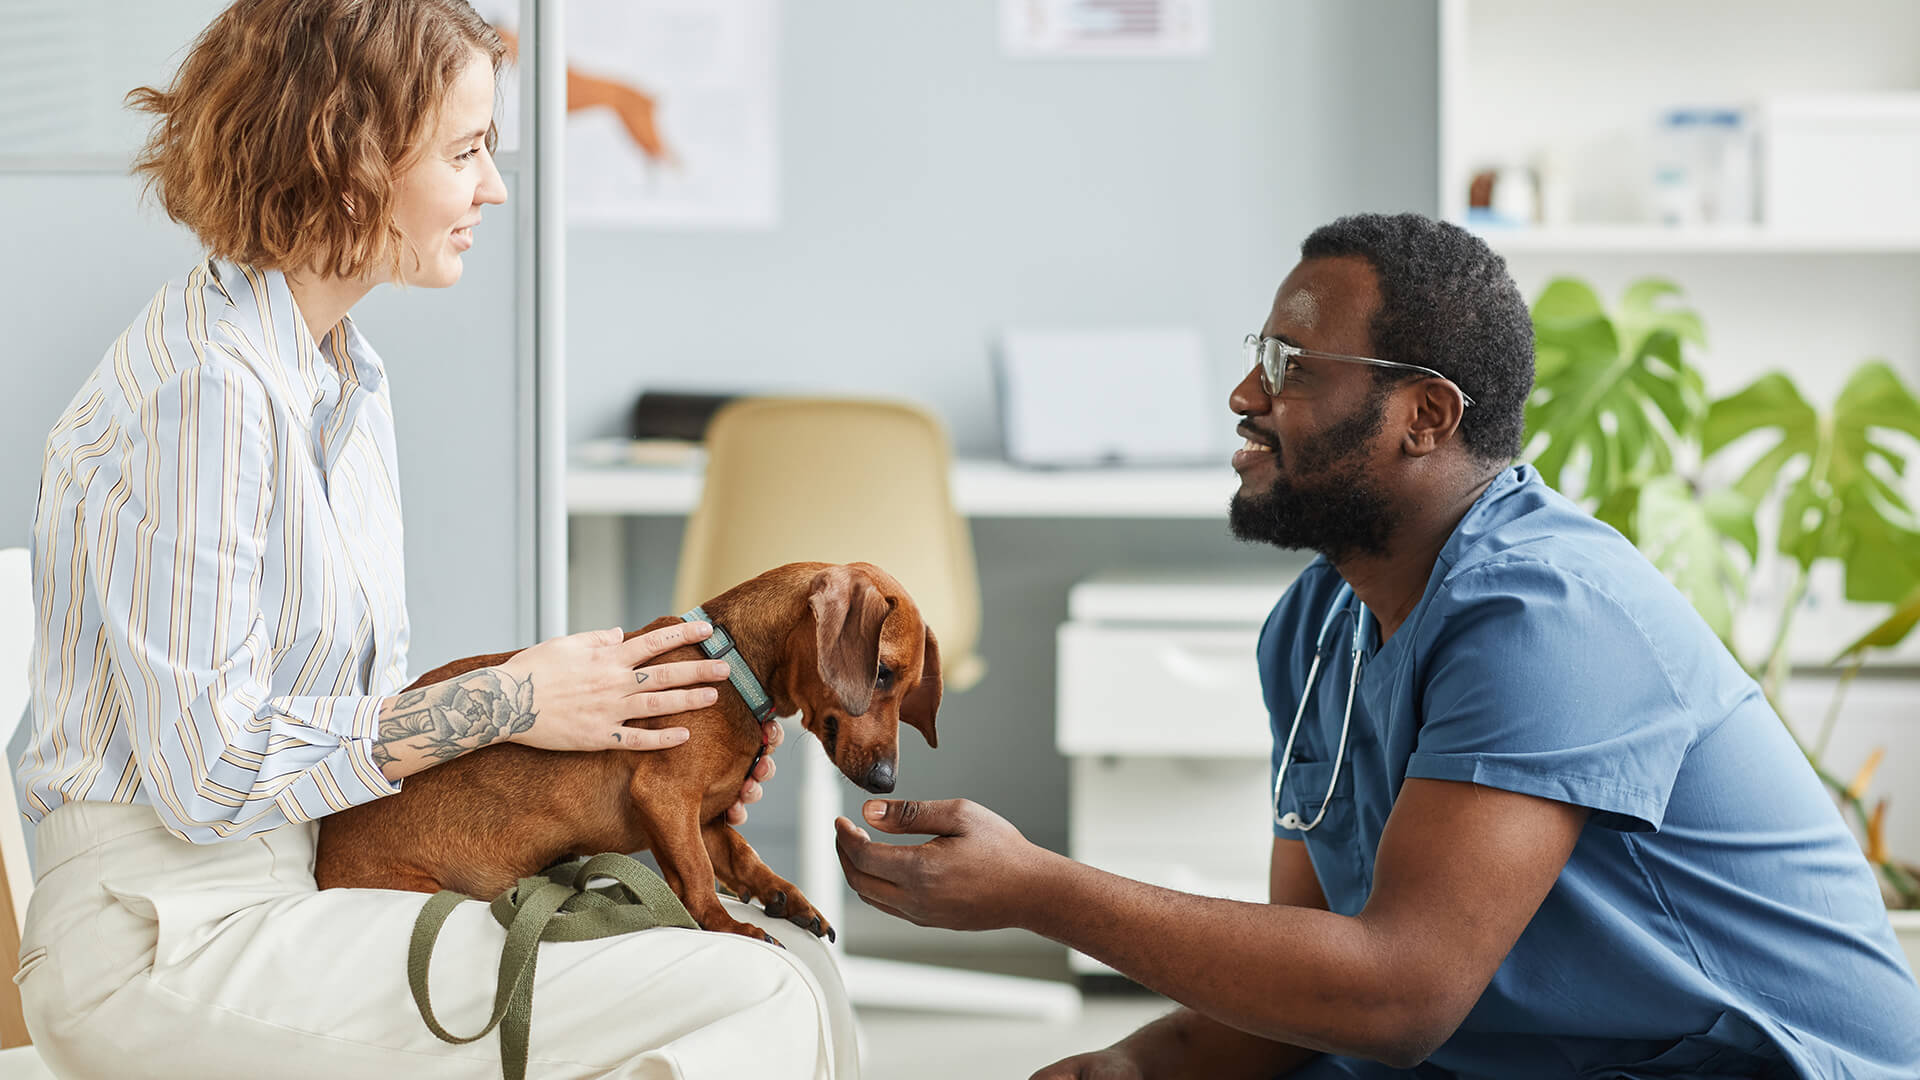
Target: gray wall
x,y
83,259
934,191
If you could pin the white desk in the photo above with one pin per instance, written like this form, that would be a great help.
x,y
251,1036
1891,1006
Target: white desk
x,y
980,489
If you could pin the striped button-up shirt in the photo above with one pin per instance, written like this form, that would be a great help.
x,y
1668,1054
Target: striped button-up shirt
x,y
217,568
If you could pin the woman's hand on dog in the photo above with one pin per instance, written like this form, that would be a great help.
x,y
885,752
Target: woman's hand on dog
x,y
579,690
582,688
977,872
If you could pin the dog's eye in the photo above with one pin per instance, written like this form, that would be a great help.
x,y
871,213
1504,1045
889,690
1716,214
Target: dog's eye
x,y
884,679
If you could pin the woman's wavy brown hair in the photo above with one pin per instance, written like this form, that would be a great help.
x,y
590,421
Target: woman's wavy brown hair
x,y
287,124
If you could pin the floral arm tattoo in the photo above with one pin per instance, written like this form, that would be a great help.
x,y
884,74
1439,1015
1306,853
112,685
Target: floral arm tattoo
x,y
447,719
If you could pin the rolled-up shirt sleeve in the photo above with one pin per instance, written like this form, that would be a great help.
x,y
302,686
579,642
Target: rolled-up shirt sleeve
x,y
179,540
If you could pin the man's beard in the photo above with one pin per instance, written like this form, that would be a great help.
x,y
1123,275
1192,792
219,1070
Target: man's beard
x,y
1342,514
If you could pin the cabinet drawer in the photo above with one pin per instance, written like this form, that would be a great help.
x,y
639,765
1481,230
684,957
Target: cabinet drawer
x,y
1164,691
1195,825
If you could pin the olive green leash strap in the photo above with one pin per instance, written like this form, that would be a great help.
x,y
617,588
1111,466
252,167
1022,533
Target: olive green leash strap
x,y
556,906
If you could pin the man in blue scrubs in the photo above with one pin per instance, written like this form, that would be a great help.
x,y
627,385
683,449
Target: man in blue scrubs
x,y
1558,831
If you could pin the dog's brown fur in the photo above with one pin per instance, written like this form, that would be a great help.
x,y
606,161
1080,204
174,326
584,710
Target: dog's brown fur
x,y
843,646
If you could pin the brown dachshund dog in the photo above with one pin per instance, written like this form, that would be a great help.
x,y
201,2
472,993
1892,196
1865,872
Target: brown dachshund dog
x,y
842,646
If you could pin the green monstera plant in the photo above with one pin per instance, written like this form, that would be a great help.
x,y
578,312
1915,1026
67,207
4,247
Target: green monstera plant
x,y
1620,420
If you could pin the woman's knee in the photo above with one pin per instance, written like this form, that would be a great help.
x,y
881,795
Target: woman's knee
x,y
802,944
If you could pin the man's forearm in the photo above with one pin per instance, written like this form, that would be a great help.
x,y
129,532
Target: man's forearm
x,y
1294,975
423,727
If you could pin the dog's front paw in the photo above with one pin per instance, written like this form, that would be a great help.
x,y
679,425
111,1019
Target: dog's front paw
x,y
819,927
799,912
724,924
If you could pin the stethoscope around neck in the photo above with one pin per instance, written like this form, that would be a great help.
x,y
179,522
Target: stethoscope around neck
x,y
1323,648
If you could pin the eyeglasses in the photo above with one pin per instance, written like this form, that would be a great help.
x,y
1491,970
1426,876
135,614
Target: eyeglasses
x,y
1271,355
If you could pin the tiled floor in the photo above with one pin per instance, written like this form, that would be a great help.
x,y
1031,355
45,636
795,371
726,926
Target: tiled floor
x,y
926,1046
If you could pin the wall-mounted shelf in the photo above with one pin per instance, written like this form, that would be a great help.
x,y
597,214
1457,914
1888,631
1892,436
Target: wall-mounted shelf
x,y
1636,239
1576,91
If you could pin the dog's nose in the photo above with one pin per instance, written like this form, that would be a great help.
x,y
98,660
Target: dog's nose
x,y
879,778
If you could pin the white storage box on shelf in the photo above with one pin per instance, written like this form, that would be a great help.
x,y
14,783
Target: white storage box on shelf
x,y
1160,715
1841,163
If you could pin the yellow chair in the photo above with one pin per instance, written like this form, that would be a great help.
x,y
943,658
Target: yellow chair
x,y
836,480
18,1061
839,480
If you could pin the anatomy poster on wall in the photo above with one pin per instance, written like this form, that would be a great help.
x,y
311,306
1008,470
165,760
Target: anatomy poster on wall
x,y
670,113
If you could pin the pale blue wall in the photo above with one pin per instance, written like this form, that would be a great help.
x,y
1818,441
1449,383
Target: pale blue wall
x,y
933,190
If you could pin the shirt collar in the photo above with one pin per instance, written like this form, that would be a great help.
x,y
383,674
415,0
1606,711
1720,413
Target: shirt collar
x,y
1482,516
1472,527
315,372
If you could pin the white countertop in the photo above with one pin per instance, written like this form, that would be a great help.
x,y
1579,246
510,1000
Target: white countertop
x,y
981,488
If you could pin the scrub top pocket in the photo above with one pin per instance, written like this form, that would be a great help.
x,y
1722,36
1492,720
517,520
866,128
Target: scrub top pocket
x,y
1333,845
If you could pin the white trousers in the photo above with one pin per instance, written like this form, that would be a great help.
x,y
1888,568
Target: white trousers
x,y
145,955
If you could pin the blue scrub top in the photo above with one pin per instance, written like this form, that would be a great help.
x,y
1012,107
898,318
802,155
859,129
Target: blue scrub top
x,y
1716,917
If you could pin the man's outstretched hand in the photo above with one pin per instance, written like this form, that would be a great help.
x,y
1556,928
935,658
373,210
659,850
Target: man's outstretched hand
x,y
977,873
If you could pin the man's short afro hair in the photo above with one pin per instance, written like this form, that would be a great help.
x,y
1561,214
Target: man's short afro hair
x,y
1446,303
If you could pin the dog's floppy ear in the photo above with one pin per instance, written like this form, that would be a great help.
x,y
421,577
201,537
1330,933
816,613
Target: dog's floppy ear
x,y
847,613
924,699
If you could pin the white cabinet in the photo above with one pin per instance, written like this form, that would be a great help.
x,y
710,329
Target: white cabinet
x,y
1159,691
1166,735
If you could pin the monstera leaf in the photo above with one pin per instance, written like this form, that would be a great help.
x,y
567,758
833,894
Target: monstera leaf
x,y
1620,389
1687,538
1841,471
1892,631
